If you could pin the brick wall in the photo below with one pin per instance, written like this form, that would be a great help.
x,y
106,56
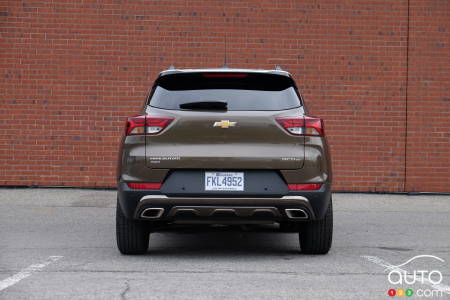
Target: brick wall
x,y
428,143
71,71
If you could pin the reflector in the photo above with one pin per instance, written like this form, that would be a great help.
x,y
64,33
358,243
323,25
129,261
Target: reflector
x,y
144,186
304,186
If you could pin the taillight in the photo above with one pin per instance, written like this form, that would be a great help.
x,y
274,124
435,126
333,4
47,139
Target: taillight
x,y
304,126
141,125
144,186
304,186
156,124
135,125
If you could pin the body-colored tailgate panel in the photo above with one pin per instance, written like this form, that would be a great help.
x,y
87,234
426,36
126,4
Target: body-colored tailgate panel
x,y
253,141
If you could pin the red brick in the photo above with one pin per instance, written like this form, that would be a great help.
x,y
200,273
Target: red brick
x,y
71,71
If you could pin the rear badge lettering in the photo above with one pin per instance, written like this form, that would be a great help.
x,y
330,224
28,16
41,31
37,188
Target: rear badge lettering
x,y
158,159
291,158
164,158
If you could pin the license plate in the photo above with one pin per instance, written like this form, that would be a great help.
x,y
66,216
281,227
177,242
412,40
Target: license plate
x,y
224,181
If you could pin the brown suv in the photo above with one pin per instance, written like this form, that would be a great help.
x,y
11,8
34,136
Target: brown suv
x,y
224,146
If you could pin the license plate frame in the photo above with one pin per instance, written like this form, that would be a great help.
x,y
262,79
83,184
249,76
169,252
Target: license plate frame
x,y
224,181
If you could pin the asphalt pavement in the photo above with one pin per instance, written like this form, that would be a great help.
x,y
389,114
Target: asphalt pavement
x,y
60,244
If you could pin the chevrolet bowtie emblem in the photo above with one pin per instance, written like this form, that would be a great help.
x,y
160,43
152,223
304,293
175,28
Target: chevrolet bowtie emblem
x,y
224,124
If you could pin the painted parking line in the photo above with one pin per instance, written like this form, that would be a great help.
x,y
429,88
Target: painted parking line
x,y
28,271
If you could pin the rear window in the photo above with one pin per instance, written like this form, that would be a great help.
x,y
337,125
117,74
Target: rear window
x,y
240,91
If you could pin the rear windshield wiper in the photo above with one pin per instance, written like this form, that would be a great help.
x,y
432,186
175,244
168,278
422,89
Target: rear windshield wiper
x,y
219,105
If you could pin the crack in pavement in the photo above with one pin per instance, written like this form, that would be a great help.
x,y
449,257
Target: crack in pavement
x,y
126,290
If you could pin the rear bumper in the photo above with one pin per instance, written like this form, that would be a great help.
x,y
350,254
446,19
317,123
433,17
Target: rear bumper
x,y
224,210
154,206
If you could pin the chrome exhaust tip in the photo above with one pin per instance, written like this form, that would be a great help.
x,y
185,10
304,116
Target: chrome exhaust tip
x,y
296,213
152,213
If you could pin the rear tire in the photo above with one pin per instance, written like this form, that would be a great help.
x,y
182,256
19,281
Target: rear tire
x,y
316,236
132,236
